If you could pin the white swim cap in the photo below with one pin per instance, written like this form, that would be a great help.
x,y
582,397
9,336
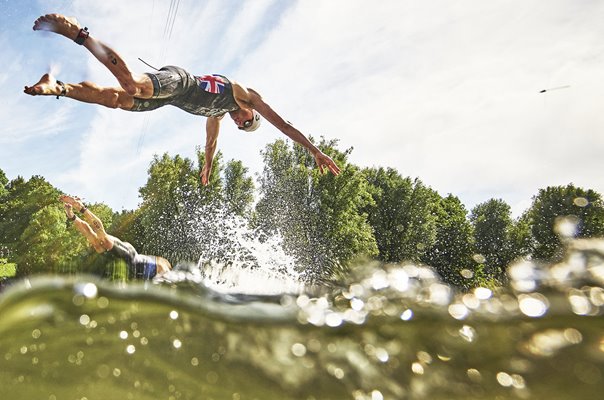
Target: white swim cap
x,y
252,124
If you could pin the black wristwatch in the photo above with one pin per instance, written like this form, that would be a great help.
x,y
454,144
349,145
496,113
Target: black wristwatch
x,y
82,36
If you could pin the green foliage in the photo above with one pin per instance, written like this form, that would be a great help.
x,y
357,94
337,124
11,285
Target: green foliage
x,y
452,250
23,200
7,270
402,215
212,193
483,279
127,225
47,245
172,189
238,189
3,185
344,227
318,215
103,212
492,222
559,201
521,237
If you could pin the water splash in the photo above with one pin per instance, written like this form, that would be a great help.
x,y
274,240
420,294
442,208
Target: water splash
x,y
238,258
54,69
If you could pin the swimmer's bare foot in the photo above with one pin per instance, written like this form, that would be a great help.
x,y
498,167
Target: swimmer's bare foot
x,y
69,211
46,86
66,26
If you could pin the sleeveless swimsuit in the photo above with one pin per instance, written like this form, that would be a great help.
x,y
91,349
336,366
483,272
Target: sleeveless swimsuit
x,y
206,95
140,266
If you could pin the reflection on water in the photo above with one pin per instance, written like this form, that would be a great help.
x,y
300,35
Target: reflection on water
x,y
390,332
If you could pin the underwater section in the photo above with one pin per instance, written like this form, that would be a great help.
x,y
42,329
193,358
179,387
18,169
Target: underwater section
x,y
389,332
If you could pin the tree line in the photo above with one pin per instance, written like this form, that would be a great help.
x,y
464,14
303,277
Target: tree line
x,y
325,222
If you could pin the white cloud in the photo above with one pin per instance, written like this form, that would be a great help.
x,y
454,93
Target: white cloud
x,y
234,41
17,107
446,91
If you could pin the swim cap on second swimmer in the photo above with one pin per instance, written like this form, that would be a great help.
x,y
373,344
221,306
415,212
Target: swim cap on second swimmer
x,y
253,124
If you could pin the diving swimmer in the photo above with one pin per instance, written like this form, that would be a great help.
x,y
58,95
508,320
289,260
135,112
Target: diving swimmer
x,y
140,266
211,96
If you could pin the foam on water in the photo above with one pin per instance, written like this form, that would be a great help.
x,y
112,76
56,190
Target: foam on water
x,y
239,258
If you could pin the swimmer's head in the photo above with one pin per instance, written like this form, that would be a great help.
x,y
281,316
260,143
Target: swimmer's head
x,y
246,119
252,124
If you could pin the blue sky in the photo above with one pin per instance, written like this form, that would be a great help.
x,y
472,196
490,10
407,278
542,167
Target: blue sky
x,y
446,91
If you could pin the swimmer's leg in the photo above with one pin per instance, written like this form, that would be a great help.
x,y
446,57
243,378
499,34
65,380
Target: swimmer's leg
x,y
135,85
87,92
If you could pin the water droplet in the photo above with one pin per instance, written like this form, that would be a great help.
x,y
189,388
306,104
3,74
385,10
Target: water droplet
x,y
467,333
407,315
573,336
78,300
483,293
298,349
424,357
399,279
548,342
474,375
379,280
518,381
579,303
440,294
458,311
90,290
382,355
534,305
596,295
567,226
471,301
417,368
479,258
333,320
524,276
581,201
302,301
504,379
466,273
357,304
